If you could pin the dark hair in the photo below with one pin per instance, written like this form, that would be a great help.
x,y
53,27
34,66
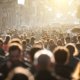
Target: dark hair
x,y
61,55
23,41
15,46
27,40
72,49
32,38
20,76
7,39
78,37
67,37
33,51
43,61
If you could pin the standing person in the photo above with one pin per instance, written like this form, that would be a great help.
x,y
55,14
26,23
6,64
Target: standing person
x,y
2,53
32,40
73,52
62,69
15,60
5,45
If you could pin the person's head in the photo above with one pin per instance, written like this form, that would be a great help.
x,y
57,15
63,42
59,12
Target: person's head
x,y
32,53
28,40
67,39
1,42
20,76
15,40
44,61
7,39
78,46
43,56
72,49
38,44
59,42
74,39
79,38
61,55
32,40
51,41
24,44
20,73
15,52
52,45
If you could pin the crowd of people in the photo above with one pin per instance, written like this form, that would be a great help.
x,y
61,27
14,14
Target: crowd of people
x,y
55,57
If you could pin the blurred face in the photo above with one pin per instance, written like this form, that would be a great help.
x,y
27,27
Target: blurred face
x,y
15,55
24,45
68,40
51,42
59,43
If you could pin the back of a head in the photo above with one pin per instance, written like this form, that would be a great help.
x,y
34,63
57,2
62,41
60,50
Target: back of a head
x,y
20,76
20,73
15,40
44,52
72,49
44,61
32,38
7,39
61,55
78,38
78,46
28,40
74,39
24,44
33,51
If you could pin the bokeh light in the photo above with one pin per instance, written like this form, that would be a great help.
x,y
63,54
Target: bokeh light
x,y
21,2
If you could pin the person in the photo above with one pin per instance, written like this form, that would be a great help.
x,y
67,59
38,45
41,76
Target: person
x,y
2,52
76,74
20,73
32,40
24,45
28,44
78,38
59,42
52,45
5,45
67,39
15,40
62,70
31,58
73,52
43,63
74,39
78,47
15,59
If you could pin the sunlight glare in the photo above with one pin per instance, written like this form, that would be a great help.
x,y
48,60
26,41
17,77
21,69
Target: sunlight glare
x,y
21,2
